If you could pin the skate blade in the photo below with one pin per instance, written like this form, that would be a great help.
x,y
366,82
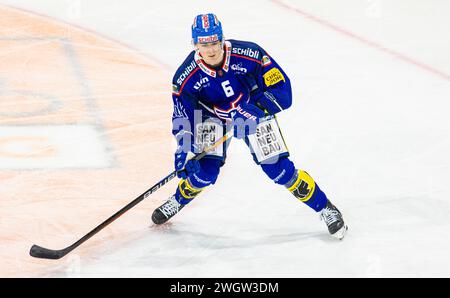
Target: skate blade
x,y
341,233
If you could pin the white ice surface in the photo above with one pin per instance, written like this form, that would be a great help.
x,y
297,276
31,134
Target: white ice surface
x,y
371,127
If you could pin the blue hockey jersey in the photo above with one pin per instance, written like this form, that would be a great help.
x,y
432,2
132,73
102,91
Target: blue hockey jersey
x,y
245,74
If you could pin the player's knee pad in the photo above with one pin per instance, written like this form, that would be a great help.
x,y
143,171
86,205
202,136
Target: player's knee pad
x,y
281,171
304,188
209,171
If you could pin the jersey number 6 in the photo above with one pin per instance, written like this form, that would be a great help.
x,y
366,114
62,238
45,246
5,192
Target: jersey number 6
x,y
227,88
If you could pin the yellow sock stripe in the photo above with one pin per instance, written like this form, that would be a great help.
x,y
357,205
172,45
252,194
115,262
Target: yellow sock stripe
x,y
311,185
184,186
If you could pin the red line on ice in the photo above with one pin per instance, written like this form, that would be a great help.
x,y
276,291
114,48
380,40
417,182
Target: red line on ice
x,y
364,40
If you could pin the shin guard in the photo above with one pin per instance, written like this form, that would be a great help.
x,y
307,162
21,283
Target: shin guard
x,y
303,187
186,192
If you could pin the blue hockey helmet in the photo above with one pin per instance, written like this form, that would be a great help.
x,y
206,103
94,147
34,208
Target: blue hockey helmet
x,y
206,28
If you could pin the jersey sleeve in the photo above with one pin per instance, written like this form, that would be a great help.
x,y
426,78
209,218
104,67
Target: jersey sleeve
x,y
274,87
184,104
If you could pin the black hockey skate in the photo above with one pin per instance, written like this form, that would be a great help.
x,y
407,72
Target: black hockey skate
x,y
166,211
335,223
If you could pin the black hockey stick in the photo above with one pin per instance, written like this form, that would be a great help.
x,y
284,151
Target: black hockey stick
x,y
45,253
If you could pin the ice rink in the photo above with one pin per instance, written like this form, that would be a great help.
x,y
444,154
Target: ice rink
x,y
85,127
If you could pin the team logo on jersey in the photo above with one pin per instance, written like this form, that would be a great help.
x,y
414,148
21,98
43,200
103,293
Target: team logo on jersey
x,y
246,52
273,76
186,72
229,113
238,68
266,61
175,88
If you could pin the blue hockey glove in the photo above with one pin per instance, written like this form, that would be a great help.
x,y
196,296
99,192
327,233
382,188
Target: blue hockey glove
x,y
267,101
180,160
263,99
191,167
245,119
184,141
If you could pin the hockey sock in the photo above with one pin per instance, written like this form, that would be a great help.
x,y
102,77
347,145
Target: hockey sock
x,y
186,192
303,187
281,171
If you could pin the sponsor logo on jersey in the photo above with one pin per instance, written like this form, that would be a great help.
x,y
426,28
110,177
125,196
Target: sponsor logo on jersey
x,y
267,142
238,68
205,68
227,56
206,39
245,113
200,180
186,72
246,52
266,61
199,84
273,76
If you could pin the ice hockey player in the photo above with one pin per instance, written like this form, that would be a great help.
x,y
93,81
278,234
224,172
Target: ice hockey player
x,y
232,84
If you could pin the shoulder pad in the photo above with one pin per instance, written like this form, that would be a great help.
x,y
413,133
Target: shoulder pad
x,y
183,72
246,49
185,69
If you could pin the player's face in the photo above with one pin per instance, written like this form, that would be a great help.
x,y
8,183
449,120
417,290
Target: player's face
x,y
212,53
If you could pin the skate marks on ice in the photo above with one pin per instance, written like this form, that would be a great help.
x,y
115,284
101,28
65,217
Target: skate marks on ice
x,y
74,135
178,249
205,241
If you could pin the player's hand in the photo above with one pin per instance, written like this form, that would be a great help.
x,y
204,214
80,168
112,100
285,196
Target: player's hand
x,y
184,141
191,167
180,160
267,101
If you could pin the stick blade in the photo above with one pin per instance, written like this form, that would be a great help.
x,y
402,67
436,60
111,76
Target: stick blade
x,y
45,253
